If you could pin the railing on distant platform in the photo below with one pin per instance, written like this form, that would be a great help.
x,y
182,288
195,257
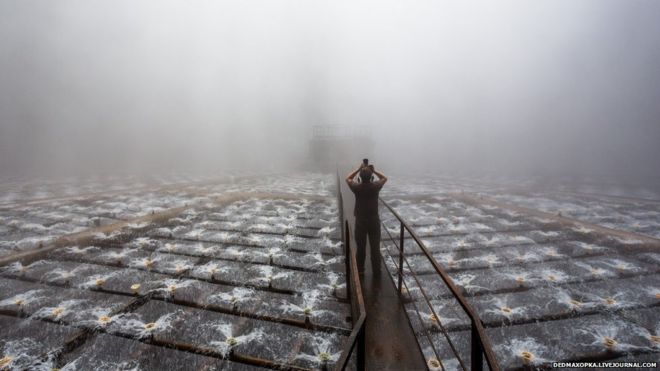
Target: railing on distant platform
x,y
480,343
341,131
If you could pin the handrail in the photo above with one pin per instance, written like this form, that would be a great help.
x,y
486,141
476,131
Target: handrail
x,y
353,290
357,336
480,343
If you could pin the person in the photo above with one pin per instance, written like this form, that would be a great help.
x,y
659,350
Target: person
x,y
367,221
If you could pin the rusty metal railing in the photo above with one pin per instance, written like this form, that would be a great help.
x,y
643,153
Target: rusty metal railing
x,y
480,344
354,294
354,290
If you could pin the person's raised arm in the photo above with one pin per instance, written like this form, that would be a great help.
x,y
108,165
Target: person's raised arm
x,y
381,177
351,175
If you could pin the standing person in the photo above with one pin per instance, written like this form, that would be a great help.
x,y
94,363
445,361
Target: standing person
x,y
367,221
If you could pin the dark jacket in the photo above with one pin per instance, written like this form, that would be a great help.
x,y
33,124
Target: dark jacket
x,y
366,199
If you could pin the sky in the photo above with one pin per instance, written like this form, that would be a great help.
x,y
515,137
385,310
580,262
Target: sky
x,y
539,87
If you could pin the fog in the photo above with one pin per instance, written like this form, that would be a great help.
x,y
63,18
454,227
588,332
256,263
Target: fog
x,y
543,87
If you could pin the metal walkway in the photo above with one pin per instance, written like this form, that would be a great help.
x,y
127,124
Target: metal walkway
x,y
390,341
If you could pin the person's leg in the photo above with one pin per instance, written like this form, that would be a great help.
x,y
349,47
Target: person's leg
x,y
374,245
361,242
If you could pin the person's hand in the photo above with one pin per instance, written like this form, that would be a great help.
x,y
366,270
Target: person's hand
x,y
371,167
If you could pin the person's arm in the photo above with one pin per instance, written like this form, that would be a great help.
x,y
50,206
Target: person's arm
x,y
349,178
381,177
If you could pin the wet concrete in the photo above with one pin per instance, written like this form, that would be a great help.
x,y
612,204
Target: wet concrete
x,y
391,343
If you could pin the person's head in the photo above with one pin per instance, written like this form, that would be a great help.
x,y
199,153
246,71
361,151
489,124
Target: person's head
x,y
366,173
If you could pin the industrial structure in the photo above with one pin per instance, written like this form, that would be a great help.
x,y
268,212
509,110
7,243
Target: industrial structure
x,y
333,145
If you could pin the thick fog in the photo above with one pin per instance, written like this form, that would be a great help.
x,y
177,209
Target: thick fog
x,y
558,87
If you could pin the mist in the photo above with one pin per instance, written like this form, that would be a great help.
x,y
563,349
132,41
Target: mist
x,y
543,87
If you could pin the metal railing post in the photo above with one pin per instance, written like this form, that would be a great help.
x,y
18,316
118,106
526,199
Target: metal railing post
x,y
347,258
361,348
401,257
340,206
477,359
357,339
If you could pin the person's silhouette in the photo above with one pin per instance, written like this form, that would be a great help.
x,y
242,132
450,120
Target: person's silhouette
x,y
367,221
